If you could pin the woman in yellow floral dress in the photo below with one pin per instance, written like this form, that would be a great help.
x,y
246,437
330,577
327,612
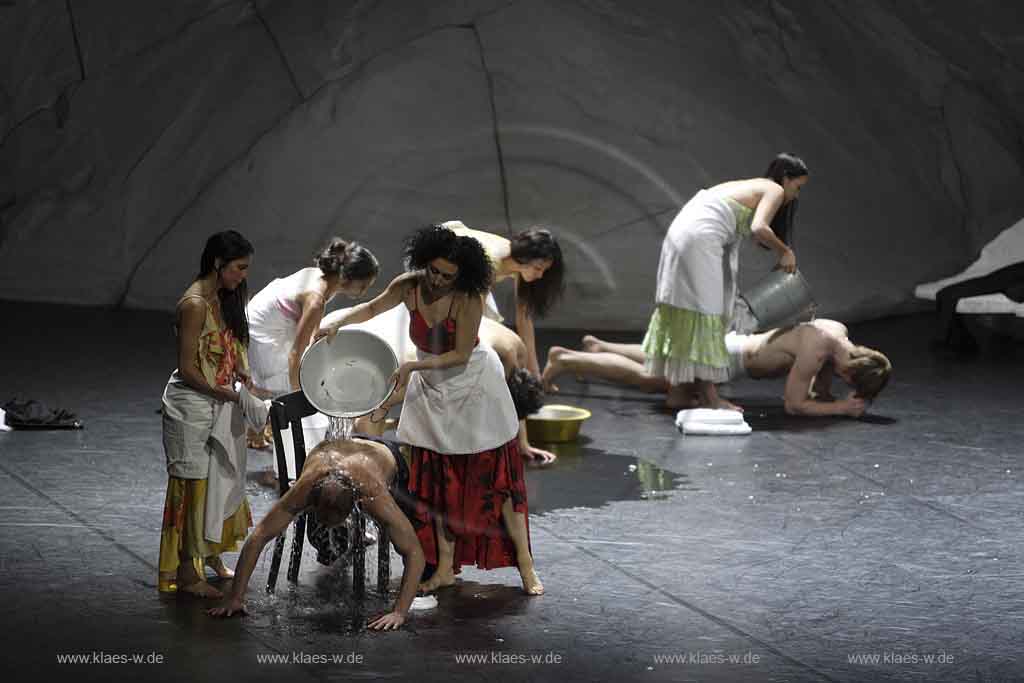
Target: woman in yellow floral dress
x,y
212,339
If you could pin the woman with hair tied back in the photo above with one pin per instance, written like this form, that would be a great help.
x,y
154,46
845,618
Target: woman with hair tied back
x,y
205,511
696,290
284,315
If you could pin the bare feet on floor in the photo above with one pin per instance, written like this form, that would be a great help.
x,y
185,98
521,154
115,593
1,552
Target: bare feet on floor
x,y
267,477
531,582
682,403
553,368
440,579
218,567
200,589
722,404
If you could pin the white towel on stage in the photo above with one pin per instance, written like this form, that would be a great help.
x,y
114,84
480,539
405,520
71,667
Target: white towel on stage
x,y
225,485
254,410
712,422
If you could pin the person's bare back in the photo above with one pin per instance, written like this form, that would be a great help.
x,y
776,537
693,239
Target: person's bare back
x,y
773,354
368,464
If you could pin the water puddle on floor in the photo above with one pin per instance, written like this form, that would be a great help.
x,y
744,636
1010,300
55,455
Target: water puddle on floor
x,y
587,477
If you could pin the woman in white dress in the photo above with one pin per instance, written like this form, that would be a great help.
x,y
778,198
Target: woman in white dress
x,y
284,315
696,291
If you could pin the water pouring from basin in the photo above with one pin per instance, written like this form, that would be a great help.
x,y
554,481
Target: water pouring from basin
x,y
347,377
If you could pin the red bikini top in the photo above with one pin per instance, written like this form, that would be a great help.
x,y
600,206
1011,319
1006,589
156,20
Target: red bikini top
x,y
437,339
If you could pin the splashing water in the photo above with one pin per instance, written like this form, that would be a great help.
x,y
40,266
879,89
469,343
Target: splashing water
x,y
340,428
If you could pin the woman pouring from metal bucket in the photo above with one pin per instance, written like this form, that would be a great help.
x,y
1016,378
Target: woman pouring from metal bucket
x,y
458,416
696,290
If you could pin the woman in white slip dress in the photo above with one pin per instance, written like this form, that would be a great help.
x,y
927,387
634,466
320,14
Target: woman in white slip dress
x,y
284,315
696,290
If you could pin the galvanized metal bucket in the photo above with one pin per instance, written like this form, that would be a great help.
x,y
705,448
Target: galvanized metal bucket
x,y
780,298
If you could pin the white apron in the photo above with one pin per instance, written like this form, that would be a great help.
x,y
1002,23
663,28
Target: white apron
x,y
461,410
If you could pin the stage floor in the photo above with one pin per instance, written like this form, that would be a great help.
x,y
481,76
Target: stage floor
x,y
886,548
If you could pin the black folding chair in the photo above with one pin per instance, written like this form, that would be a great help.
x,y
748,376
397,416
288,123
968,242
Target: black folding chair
x,y
287,412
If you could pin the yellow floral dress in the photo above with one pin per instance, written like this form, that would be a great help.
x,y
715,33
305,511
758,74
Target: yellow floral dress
x,y
219,356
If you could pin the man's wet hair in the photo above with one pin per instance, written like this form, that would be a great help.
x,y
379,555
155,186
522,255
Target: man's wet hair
x,y
527,392
869,371
334,491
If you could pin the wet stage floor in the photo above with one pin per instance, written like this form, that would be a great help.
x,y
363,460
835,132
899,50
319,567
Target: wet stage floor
x,y
887,548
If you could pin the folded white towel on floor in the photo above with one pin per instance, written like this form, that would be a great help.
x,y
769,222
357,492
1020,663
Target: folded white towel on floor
x,y
710,416
706,429
709,422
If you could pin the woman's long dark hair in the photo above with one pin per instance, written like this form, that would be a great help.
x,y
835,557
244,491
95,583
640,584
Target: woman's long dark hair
x,y
541,294
229,246
783,166
349,260
434,241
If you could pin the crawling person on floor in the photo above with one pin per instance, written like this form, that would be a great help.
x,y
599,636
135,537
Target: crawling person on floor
x,y
808,355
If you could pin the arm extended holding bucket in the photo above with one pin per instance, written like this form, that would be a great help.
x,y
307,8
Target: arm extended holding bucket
x,y
768,205
313,305
360,313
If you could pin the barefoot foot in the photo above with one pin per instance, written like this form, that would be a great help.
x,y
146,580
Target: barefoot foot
x,y
531,582
722,404
218,567
267,478
438,580
553,368
200,589
592,344
682,403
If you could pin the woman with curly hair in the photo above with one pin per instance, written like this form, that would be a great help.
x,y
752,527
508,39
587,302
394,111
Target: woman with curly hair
x,y
534,258
458,415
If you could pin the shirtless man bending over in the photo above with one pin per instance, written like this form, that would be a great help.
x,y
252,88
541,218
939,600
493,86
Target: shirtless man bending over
x,y
800,353
338,474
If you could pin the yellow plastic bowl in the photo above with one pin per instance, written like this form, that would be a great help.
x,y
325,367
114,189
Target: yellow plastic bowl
x,y
555,424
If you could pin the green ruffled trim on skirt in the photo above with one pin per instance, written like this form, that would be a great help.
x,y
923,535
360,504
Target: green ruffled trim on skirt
x,y
686,336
